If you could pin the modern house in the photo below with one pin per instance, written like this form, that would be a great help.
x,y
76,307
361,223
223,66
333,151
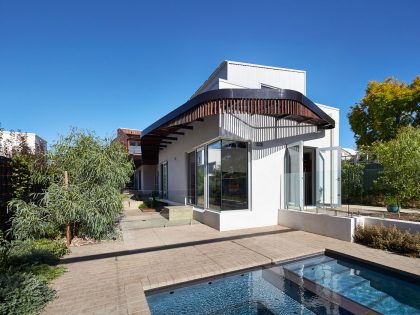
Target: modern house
x,y
246,144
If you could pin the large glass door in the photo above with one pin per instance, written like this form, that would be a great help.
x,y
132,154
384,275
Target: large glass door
x,y
191,178
200,177
328,179
164,180
294,176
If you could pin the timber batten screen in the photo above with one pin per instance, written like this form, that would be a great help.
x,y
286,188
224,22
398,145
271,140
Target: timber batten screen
x,y
278,103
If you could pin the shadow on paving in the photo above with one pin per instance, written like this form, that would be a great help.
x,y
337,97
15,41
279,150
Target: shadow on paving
x,y
170,246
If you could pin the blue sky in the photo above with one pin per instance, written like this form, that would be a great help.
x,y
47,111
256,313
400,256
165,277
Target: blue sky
x,y
101,65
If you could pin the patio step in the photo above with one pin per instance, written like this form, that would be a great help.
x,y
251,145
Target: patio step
x,y
177,213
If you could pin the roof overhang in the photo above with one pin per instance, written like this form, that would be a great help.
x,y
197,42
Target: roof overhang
x,y
280,103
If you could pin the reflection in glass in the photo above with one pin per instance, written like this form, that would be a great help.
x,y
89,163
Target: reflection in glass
x,y
191,178
234,175
200,172
293,177
164,180
214,175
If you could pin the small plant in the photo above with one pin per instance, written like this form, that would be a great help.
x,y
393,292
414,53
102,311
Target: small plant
x,y
23,293
144,205
389,238
391,201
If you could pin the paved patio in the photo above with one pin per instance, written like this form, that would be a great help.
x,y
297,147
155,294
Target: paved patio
x,y
111,277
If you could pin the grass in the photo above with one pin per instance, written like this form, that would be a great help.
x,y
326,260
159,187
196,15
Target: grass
x,y
47,273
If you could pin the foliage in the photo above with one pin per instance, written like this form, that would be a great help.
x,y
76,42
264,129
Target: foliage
x,y
389,238
32,252
386,107
400,158
352,179
4,250
144,205
23,293
47,273
25,269
97,170
31,221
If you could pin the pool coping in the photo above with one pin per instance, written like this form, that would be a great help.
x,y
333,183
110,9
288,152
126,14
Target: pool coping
x,y
175,286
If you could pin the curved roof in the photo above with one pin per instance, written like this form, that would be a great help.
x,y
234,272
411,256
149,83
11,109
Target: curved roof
x,y
280,103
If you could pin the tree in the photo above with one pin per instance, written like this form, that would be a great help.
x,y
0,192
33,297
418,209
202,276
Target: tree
x,y
400,158
352,180
386,107
97,171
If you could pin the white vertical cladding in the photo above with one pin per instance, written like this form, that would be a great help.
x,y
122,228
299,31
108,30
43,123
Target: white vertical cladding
x,y
252,76
331,138
176,154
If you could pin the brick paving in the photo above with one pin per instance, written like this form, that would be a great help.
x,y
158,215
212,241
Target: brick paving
x,y
111,277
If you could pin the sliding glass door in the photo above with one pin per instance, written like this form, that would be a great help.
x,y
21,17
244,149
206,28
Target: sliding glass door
x,y
214,175
234,175
294,176
328,183
218,176
200,177
164,180
191,178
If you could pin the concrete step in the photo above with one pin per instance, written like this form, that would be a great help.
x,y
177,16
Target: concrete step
x,y
177,213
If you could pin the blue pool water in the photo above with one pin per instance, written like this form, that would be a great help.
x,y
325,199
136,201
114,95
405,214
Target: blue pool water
x,y
369,287
317,285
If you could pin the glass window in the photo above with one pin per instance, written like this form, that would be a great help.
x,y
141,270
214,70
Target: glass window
x,y
234,175
191,178
164,180
214,175
200,173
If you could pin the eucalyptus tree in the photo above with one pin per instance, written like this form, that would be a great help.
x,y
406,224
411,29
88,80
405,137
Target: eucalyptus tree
x,y
89,202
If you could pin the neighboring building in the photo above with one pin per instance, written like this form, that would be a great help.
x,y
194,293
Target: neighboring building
x,y
131,140
247,143
349,154
14,140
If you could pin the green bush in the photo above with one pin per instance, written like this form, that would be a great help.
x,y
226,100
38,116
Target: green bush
x,y
33,252
389,238
23,293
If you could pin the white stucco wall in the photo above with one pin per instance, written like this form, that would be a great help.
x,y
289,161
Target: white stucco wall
x,y
148,175
341,228
176,154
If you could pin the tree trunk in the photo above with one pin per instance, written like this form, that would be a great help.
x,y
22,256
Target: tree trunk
x,y
68,234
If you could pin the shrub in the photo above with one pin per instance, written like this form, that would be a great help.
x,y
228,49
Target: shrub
x,y
23,293
33,252
389,238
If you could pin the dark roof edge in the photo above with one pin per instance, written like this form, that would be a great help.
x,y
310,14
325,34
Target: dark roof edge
x,y
243,94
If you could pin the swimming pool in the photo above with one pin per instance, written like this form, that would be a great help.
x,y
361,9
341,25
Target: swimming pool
x,y
315,285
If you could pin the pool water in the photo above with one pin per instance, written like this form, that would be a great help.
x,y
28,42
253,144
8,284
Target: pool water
x,y
372,288
248,293
317,285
